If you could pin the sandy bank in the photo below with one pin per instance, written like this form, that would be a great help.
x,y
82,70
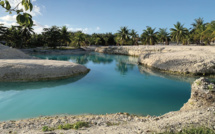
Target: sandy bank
x,y
18,66
33,70
11,53
194,60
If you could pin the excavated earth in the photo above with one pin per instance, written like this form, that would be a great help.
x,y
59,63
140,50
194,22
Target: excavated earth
x,y
198,111
18,66
193,60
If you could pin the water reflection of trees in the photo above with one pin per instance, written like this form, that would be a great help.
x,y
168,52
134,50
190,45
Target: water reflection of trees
x,y
95,58
123,63
123,68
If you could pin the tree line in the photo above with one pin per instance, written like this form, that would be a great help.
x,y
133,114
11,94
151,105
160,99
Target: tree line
x,y
23,36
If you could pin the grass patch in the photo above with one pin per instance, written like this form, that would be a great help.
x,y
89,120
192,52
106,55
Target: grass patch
x,y
46,128
112,124
210,87
198,82
76,126
198,130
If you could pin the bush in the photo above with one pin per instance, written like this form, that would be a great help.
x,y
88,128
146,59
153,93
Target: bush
x,y
76,125
198,130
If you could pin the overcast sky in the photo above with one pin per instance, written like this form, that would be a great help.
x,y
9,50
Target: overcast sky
x,y
101,16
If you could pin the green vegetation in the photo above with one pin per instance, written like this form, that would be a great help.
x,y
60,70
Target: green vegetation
x,y
198,130
23,18
198,82
46,128
149,36
112,124
179,32
23,36
76,126
210,87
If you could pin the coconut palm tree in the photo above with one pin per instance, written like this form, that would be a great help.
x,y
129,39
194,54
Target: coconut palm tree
x,y
179,32
149,36
163,36
198,28
79,38
198,23
106,39
26,32
65,36
13,36
123,34
98,40
52,36
187,38
209,33
134,37
3,30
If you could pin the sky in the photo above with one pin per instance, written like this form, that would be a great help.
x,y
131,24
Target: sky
x,y
102,16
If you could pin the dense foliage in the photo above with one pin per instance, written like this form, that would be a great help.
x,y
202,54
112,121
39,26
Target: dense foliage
x,y
23,36
23,18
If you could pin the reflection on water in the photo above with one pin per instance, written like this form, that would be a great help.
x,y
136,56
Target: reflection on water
x,y
115,84
123,63
149,71
123,67
6,86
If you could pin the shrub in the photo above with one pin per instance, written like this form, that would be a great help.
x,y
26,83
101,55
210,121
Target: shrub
x,y
80,124
46,128
198,130
76,125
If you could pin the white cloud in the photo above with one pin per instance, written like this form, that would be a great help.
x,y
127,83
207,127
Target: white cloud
x,y
34,12
84,30
8,24
8,18
38,28
97,28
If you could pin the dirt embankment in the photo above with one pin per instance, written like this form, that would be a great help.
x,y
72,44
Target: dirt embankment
x,y
18,66
193,60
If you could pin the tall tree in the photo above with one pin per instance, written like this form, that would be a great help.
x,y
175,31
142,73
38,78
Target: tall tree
x,y
79,38
13,37
209,33
163,36
198,28
26,31
52,36
123,34
179,32
149,36
3,31
134,37
65,36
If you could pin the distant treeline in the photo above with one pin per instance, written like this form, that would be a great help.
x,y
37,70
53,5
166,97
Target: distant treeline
x,y
201,33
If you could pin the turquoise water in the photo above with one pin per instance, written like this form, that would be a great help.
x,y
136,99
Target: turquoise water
x,y
114,84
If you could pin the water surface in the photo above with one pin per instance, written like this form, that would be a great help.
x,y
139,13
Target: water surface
x,y
114,84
